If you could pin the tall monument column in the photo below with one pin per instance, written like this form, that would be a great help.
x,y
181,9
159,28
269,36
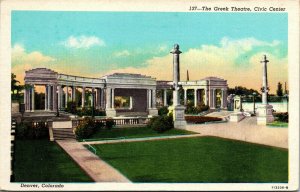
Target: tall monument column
x,y
265,111
178,110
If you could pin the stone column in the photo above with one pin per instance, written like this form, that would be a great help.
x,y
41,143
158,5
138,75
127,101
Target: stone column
x,y
214,98
265,111
32,98
195,97
29,99
149,98
224,98
130,102
110,95
73,93
112,98
185,96
25,97
92,97
108,98
83,97
153,98
176,74
59,99
265,88
206,96
46,97
102,98
66,97
178,110
165,97
49,97
98,100
55,100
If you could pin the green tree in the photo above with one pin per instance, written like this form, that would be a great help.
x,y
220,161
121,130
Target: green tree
x,y
14,84
239,90
279,90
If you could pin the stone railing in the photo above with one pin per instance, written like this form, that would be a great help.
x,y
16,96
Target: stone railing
x,y
36,123
118,121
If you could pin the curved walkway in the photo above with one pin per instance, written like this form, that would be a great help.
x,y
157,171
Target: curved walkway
x,y
245,130
95,167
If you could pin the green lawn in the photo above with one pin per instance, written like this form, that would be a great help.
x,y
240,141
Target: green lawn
x,y
137,132
202,159
45,161
278,124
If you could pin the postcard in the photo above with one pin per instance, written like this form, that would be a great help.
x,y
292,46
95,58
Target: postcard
x,y
140,95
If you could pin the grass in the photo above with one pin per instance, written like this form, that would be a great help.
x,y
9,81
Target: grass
x,y
45,161
202,159
278,124
136,132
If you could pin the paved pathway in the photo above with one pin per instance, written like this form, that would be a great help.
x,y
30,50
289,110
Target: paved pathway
x,y
245,130
96,168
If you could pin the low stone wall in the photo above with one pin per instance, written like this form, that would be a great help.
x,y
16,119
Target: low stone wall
x,y
278,107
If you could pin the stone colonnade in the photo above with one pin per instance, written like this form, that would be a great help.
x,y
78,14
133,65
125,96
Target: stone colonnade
x,y
61,88
55,95
104,99
210,97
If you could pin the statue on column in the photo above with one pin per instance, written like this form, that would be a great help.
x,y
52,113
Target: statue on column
x,y
265,111
178,110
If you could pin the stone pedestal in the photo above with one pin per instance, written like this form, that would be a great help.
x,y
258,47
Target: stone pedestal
x,y
153,112
178,116
236,117
111,112
264,114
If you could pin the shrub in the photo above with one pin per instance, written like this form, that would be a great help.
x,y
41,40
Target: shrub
x,y
109,123
21,130
41,131
161,123
152,120
85,128
283,117
163,111
31,131
88,112
71,107
191,109
99,125
80,131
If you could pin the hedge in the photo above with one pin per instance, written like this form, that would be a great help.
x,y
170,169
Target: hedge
x,y
201,119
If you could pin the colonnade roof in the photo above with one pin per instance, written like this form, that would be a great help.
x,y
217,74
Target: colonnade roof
x,y
44,76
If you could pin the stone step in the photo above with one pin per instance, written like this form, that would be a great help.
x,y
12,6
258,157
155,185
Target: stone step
x,y
63,133
131,114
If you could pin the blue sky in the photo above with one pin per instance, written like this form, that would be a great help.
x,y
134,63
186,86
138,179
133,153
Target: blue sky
x,y
96,43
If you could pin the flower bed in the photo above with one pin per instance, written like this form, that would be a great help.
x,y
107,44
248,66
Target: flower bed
x,y
201,119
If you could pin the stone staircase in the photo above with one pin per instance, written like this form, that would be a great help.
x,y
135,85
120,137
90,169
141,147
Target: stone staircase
x,y
63,133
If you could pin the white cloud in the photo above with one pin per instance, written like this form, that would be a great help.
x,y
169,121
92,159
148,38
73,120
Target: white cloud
x,y
22,60
85,42
222,61
122,53
162,48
